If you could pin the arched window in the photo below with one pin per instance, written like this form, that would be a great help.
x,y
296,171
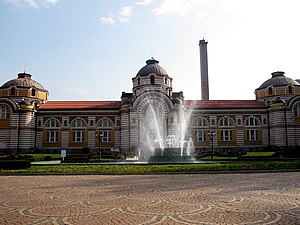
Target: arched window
x,y
33,92
270,90
139,80
290,89
4,112
78,130
52,128
105,128
226,125
201,122
152,80
252,124
12,91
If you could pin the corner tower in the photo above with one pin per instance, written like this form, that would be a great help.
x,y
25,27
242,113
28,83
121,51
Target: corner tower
x,y
204,70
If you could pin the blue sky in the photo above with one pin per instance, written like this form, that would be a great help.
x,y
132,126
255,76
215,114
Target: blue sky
x,y
91,50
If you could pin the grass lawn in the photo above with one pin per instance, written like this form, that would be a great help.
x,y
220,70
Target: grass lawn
x,y
146,169
40,157
258,154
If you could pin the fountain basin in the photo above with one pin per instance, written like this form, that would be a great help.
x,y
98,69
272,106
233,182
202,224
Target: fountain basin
x,y
171,155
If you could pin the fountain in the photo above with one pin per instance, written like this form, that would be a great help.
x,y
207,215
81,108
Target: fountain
x,y
162,140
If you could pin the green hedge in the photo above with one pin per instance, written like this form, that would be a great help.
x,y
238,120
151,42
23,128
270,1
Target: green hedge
x,y
14,164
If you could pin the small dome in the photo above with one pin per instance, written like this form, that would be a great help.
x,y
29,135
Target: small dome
x,y
278,79
23,80
152,67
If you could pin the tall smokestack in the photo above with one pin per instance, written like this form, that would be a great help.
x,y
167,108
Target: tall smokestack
x,y
204,70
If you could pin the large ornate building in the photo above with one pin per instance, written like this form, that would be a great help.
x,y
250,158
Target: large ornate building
x,y
29,121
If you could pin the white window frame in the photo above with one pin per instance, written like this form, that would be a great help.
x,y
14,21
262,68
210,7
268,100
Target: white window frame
x,y
226,134
200,135
252,134
78,136
52,136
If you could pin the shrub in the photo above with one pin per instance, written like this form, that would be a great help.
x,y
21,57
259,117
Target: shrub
x,y
48,158
14,164
86,150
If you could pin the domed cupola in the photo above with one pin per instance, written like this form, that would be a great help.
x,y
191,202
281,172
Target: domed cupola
x,y
152,77
277,85
24,86
152,67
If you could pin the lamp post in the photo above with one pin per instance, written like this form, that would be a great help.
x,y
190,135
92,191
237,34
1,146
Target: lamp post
x,y
99,135
211,134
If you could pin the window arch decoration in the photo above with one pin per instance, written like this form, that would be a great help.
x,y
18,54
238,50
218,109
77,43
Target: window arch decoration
x,y
200,122
52,127
5,111
78,127
226,125
226,121
105,127
252,124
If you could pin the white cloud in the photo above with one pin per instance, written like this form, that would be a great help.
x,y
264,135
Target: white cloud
x,y
107,20
51,2
144,2
36,4
184,7
32,3
125,13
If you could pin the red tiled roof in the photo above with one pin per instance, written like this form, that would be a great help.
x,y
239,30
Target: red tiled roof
x,y
198,104
225,104
80,105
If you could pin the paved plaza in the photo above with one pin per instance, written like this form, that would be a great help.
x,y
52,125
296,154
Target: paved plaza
x,y
259,198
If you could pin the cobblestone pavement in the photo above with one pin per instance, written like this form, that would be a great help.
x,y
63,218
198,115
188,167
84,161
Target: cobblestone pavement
x,y
266,198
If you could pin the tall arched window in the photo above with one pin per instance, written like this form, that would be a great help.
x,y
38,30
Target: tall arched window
x,y
105,127
152,80
290,89
78,130
226,125
52,130
252,123
200,125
